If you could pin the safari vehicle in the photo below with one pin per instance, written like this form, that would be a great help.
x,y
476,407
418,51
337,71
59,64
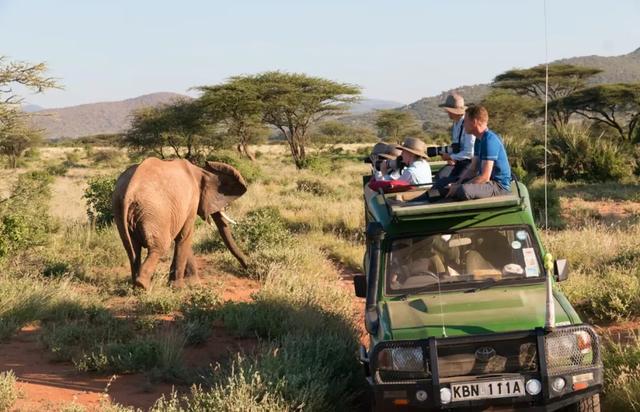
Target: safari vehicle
x,y
462,313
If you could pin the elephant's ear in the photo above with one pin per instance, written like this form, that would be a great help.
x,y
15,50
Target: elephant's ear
x,y
220,185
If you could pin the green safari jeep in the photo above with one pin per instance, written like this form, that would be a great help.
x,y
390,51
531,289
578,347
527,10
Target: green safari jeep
x,y
462,313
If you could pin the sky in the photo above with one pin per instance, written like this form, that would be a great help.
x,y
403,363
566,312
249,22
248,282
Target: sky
x,y
399,50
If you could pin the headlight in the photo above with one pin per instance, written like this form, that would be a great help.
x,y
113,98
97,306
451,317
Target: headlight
x,y
569,349
407,359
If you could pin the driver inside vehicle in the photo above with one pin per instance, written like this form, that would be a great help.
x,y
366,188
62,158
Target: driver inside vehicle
x,y
421,263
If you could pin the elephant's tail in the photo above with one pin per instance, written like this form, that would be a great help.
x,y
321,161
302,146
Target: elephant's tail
x,y
121,215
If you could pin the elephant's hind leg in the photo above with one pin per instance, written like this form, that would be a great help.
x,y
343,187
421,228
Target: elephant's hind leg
x,y
148,267
183,257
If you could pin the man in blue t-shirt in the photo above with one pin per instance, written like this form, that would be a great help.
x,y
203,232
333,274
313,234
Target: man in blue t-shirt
x,y
489,173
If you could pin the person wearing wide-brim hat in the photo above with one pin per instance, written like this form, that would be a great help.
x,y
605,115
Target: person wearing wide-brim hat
x,y
416,169
460,153
383,153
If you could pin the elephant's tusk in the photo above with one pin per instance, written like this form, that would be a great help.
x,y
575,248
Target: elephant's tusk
x,y
227,218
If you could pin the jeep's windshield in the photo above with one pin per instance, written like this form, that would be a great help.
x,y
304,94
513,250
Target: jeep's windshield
x,y
461,260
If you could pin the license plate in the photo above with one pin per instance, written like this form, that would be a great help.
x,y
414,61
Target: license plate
x,y
488,389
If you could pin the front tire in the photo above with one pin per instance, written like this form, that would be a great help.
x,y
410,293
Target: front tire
x,y
590,404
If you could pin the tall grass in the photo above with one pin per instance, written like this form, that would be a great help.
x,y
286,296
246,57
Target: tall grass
x,y
8,390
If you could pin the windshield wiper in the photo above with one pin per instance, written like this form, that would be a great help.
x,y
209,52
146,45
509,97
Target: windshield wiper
x,y
427,288
484,285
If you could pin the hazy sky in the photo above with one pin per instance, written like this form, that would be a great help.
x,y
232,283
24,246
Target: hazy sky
x,y
396,50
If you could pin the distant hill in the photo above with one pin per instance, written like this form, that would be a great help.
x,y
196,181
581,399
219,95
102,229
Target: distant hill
x,y
616,69
368,105
96,118
31,108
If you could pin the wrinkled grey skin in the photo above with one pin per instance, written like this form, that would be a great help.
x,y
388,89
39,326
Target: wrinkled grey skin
x,y
156,202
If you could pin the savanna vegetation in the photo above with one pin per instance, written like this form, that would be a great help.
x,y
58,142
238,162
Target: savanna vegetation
x,y
291,337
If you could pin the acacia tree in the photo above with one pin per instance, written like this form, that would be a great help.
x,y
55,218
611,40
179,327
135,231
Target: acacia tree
x,y
16,139
178,125
15,135
292,102
564,79
615,105
396,124
236,106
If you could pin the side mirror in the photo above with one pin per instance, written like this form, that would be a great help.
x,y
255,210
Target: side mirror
x,y
561,269
360,285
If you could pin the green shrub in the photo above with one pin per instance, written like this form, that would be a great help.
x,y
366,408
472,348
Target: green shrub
x,y
72,159
259,229
239,387
198,313
621,376
98,195
319,165
161,355
109,157
24,217
574,154
536,197
8,390
315,187
59,169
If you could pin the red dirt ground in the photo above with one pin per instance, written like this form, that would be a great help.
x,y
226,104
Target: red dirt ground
x,y
47,386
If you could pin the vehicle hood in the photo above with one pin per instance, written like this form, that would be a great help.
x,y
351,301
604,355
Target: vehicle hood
x,y
498,309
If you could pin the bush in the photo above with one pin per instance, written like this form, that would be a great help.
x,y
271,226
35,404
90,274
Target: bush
x,y
98,195
319,164
109,157
198,313
8,390
24,217
315,187
554,210
621,376
574,154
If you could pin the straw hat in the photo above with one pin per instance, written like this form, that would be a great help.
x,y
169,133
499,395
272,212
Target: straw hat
x,y
414,145
379,148
454,104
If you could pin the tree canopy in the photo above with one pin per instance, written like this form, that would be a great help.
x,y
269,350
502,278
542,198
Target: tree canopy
x,y
15,135
616,105
292,102
564,79
178,125
237,107
394,125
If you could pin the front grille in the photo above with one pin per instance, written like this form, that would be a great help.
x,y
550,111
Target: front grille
x,y
480,358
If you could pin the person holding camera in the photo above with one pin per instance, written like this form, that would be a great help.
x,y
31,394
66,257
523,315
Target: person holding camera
x,y
460,152
384,153
415,169
490,172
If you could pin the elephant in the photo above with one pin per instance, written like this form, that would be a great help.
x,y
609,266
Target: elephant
x,y
156,202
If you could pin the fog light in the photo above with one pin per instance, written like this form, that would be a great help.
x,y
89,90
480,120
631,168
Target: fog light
x,y
533,386
445,395
421,395
558,384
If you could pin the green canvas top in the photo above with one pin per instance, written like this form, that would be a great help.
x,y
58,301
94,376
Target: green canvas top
x,y
400,209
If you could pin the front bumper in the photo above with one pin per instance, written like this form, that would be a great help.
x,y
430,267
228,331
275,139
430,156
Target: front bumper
x,y
583,377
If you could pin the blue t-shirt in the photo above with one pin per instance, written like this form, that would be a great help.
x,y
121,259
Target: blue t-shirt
x,y
489,147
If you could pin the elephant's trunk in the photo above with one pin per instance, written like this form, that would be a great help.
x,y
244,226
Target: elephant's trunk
x,y
227,238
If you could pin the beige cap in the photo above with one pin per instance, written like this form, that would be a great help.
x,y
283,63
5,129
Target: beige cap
x,y
414,145
454,104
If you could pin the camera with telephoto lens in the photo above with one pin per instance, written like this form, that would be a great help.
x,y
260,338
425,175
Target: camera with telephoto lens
x,y
395,164
440,150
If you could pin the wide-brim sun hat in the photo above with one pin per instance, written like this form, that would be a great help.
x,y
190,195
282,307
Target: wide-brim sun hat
x,y
391,153
454,104
414,145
